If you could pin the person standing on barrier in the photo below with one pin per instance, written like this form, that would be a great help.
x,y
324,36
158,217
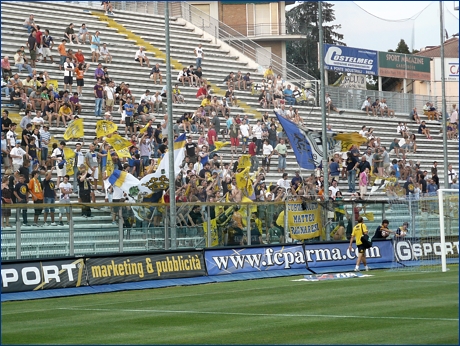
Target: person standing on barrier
x,y
358,231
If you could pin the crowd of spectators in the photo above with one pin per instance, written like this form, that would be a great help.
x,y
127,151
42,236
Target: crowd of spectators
x,y
206,175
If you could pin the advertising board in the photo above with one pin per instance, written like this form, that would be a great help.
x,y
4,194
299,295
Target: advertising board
x,y
397,65
350,60
451,67
243,260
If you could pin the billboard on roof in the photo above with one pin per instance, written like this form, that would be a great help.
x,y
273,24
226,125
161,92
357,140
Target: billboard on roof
x,y
350,60
409,66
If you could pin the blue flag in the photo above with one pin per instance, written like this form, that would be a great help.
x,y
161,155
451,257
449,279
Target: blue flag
x,y
299,143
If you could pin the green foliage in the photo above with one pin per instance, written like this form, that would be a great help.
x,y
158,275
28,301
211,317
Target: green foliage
x,y
303,19
402,47
389,308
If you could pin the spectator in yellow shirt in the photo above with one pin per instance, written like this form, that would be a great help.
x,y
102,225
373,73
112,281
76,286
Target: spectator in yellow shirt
x,y
269,74
358,231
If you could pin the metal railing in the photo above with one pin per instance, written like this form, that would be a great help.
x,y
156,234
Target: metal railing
x,y
401,103
245,45
150,231
220,31
261,29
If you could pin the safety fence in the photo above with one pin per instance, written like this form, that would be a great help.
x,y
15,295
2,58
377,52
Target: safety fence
x,y
127,228
347,98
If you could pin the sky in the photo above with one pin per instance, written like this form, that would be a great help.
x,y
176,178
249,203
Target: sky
x,y
380,25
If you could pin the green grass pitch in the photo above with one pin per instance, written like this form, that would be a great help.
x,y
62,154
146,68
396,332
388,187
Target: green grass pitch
x,y
386,308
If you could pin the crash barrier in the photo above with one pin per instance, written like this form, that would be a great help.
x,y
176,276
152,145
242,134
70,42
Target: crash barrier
x,y
74,272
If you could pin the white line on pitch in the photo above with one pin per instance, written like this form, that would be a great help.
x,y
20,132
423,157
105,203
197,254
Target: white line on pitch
x,y
266,315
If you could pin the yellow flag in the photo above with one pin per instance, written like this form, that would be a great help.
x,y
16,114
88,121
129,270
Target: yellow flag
x,y
243,209
242,178
244,161
68,153
104,128
349,139
123,153
280,219
69,166
250,187
110,166
220,145
118,142
214,237
74,130
369,216
227,197
145,128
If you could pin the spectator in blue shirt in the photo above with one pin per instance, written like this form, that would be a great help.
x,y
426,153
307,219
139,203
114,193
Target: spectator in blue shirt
x,y
334,169
129,111
288,96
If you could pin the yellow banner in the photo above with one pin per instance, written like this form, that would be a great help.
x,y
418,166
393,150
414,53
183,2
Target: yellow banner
x,y
242,178
74,130
214,237
220,145
302,224
244,161
350,138
118,142
104,128
110,166
123,153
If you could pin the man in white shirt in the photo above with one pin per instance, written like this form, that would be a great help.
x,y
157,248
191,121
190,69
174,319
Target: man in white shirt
x,y
164,127
148,98
159,103
334,188
69,67
244,128
82,33
454,117
17,155
284,182
452,174
257,132
367,105
65,189
105,54
11,136
199,55
109,92
141,57
38,120
58,157
79,160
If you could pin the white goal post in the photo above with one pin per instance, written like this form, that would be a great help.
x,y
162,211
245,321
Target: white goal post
x,y
441,195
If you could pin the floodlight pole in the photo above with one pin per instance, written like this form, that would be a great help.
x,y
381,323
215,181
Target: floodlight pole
x,y
443,96
172,174
323,109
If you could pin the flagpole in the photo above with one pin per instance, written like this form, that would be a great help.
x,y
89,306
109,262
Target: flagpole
x,y
172,173
323,108
444,112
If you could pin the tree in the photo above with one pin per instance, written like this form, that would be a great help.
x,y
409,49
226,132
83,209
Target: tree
x,y
402,47
388,84
303,19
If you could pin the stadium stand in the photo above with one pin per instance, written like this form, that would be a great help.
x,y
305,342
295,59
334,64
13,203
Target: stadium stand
x,y
123,34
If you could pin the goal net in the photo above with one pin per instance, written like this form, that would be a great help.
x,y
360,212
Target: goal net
x,y
429,241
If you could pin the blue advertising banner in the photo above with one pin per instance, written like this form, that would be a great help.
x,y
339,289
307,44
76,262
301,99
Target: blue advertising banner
x,y
231,261
350,60
327,255
221,262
